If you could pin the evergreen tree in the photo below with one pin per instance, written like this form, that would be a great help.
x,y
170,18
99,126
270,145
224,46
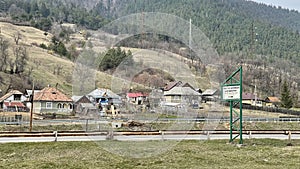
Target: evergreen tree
x,y
286,99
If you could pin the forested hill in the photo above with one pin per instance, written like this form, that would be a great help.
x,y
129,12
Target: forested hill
x,y
271,14
258,11
43,13
233,25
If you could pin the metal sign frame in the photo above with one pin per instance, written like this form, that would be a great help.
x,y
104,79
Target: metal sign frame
x,y
232,80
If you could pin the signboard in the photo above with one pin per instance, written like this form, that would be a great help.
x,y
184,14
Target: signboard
x,y
231,92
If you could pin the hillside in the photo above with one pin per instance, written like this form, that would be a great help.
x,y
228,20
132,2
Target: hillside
x,y
264,39
232,25
43,67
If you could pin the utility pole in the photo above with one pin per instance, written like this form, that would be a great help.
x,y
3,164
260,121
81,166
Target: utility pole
x,y
255,93
31,109
142,29
190,42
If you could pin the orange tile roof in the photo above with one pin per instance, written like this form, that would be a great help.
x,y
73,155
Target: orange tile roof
x,y
51,94
274,99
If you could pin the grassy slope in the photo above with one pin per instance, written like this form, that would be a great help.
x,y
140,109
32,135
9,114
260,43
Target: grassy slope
x,y
43,62
186,154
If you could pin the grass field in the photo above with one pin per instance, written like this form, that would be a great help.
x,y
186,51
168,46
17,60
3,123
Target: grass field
x,y
186,154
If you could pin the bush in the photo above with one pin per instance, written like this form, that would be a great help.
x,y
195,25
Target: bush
x,y
43,46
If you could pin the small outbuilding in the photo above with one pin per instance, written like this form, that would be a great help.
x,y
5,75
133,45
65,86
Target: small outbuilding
x,y
272,102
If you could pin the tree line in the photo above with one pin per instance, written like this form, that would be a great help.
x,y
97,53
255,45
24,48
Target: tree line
x,y
42,13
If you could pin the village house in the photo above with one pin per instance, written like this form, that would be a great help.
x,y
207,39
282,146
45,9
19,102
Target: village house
x,y
249,99
272,102
104,97
51,100
28,94
210,95
84,107
13,101
182,95
171,85
136,98
106,100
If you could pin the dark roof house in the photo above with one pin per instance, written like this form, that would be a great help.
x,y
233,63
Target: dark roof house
x,y
170,85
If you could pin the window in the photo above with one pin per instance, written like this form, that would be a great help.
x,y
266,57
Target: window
x,y
65,106
48,105
176,98
17,97
59,105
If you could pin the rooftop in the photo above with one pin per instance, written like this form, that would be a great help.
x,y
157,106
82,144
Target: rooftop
x,y
14,104
132,95
51,94
103,93
183,91
7,95
273,99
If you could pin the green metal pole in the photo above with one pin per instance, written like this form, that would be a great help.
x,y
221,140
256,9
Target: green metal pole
x,y
241,105
231,120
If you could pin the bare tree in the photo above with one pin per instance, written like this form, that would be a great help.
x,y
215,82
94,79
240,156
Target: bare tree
x,y
3,54
21,56
11,66
57,69
17,37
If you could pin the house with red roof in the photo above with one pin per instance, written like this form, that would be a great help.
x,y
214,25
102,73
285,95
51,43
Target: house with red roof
x,y
136,98
13,101
51,100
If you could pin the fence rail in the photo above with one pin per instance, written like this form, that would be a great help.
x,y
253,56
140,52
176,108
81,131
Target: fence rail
x,y
25,120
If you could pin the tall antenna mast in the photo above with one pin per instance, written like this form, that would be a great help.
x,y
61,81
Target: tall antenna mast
x,y
142,36
190,35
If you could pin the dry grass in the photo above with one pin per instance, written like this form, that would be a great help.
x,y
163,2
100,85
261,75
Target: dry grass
x,y
29,35
186,154
43,62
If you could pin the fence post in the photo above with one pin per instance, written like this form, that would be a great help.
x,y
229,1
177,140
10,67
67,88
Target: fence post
x,y
55,136
162,135
208,135
87,125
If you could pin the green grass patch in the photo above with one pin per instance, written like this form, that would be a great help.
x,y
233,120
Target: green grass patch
x,y
186,154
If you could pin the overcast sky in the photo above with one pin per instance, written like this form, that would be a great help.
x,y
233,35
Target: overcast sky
x,y
291,4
